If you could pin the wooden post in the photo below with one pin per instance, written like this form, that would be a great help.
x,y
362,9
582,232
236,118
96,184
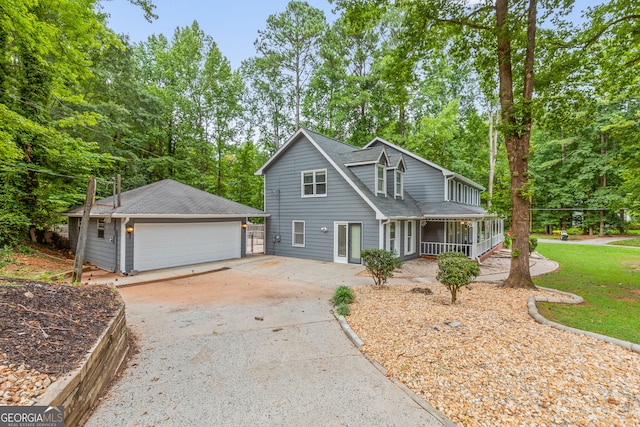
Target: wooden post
x,y
82,237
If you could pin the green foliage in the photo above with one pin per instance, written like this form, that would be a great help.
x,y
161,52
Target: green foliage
x,y
606,277
380,263
5,255
343,295
343,309
533,244
456,271
507,240
626,242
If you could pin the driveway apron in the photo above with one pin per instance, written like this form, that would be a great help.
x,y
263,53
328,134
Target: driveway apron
x,y
256,344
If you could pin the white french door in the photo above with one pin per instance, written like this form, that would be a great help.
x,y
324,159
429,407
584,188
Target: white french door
x,y
347,242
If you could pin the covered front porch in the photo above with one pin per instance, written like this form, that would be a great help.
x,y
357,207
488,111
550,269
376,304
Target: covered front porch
x,y
473,237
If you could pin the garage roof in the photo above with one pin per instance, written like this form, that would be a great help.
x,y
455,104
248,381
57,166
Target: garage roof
x,y
168,199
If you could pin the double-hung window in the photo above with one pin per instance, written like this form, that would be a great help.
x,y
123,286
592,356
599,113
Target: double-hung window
x,y
314,183
297,237
399,184
409,237
381,179
101,228
391,238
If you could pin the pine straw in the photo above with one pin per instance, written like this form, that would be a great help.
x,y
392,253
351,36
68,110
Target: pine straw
x,y
499,367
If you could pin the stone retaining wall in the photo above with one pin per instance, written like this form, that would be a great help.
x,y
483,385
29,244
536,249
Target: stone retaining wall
x,y
78,390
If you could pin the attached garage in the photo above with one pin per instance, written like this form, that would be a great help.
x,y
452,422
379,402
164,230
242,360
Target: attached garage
x,y
161,225
162,245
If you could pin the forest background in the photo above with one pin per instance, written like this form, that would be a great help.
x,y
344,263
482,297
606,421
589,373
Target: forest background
x,y
77,99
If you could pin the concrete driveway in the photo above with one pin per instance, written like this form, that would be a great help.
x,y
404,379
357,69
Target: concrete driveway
x,y
256,344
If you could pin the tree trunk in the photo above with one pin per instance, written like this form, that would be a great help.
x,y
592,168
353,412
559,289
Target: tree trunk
x,y
517,138
493,152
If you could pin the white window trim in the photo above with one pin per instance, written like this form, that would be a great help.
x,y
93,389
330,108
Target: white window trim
x,y
398,173
384,179
293,234
387,245
410,246
314,172
100,223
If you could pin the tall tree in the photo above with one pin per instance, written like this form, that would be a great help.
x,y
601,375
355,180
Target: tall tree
x,y
508,30
46,50
267,102
291,40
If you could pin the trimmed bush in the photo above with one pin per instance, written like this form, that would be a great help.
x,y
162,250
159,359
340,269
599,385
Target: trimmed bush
x,y
380,263
533,244
343,295
343,309
455,271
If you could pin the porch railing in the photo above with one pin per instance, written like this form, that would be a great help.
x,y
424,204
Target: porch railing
x,y
434,248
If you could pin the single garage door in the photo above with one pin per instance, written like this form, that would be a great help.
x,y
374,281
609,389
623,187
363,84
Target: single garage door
x,y
170,245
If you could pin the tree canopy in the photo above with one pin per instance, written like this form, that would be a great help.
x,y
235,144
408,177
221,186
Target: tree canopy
x,y
541,110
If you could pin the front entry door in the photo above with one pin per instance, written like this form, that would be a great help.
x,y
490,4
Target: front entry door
x,y
348,242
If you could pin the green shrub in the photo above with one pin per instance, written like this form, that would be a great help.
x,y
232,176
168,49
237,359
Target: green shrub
x,y
5,255
343,309
380,263
575,231
455,272
533,244
343,295
507,240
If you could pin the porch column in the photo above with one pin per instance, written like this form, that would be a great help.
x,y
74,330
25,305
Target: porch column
x,y
474,239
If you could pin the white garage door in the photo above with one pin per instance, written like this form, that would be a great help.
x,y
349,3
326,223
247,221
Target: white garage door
x,y
170,245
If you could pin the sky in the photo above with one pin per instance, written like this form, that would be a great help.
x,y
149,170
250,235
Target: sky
x,y
233,24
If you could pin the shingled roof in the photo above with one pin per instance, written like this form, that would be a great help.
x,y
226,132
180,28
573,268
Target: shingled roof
x,y
168,199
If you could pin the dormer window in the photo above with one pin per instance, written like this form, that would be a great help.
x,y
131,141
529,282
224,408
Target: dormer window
x,y
399,185
381,179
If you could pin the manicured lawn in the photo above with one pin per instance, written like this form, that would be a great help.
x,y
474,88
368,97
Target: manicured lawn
x,y
608,278
627,242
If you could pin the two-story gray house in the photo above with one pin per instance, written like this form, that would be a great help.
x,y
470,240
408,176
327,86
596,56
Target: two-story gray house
x,y
328,201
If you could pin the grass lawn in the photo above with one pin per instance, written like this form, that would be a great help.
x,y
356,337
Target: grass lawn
x,y
607,277
627,242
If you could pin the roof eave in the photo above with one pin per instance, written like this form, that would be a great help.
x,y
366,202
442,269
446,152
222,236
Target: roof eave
x,y
172,216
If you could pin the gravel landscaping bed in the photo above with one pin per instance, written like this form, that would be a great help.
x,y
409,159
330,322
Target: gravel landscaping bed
x,y
498,367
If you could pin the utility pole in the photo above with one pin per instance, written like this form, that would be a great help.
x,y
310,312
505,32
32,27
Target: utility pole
x,y
84,227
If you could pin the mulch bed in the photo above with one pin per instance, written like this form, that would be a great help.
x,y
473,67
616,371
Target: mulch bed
x,y
51,327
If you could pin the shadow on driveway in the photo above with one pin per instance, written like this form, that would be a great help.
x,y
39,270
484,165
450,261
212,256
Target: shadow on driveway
x,y
256,344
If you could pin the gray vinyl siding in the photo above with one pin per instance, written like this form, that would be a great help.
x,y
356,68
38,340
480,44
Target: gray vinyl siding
x,y
101,251
366,174
284,203
423,182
